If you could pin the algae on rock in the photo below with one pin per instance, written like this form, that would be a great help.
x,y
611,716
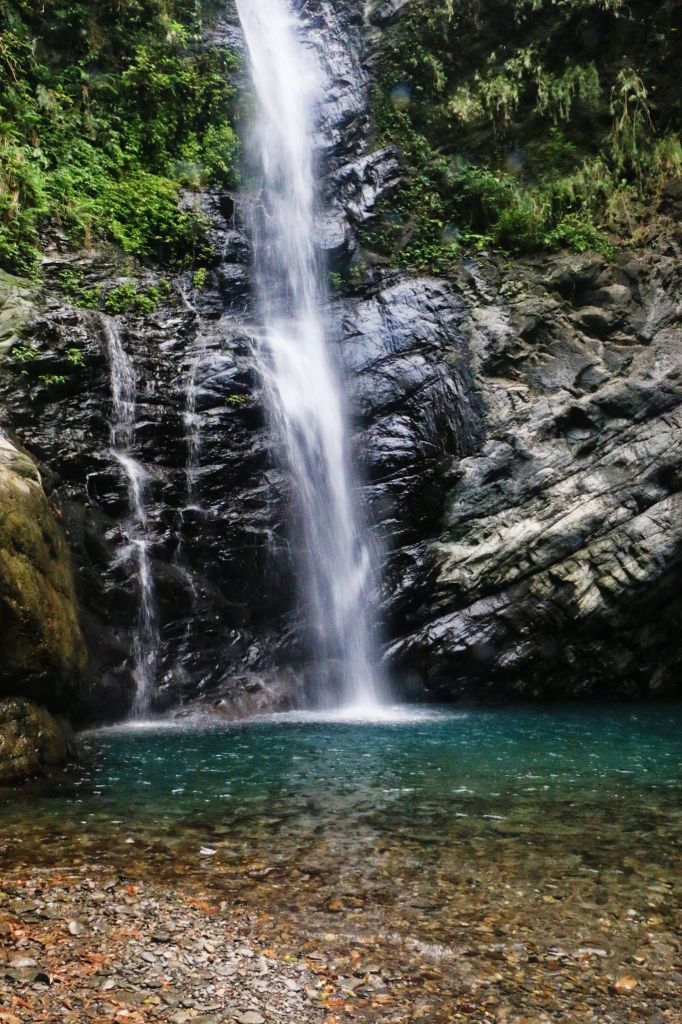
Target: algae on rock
x,y
32,741
42,652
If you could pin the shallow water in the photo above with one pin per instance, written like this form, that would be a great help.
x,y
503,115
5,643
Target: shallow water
x,y
509,841
392,771
428,777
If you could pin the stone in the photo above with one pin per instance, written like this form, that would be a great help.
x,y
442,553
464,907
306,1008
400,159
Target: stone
x,y
625,985
32,743
42,651
21,962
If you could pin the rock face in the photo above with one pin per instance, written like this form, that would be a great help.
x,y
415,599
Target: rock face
x,y
555,567
32,741
42,653
518,427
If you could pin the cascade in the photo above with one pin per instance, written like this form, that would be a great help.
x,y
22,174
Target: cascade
x,y
303,387
192,419
135,552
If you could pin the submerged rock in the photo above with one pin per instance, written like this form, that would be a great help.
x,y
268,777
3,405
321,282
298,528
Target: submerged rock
x,y
32,741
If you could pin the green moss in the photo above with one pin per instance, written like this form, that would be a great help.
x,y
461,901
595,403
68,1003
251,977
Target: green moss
x,y
106,111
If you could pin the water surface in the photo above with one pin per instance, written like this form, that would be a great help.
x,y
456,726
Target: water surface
x,y
531,857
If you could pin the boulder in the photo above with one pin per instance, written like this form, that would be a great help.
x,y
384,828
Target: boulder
x,y
32,741
42,652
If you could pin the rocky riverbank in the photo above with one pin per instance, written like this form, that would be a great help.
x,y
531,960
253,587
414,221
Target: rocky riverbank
x,y
87,945
99,948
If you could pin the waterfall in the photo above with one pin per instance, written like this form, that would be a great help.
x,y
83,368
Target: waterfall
x,y
304,394
192,419
135,553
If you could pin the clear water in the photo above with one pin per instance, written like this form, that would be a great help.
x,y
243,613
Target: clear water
x,y
493,845
431,775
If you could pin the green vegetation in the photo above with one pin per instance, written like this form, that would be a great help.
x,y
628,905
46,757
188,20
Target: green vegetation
x,y
127,297
526,124
107,108
199,279
23,354
75,357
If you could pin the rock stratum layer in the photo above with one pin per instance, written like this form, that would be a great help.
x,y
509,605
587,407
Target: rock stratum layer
x,y
555,565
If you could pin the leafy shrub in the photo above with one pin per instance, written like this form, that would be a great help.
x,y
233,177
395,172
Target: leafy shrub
x,y
519,129
101,128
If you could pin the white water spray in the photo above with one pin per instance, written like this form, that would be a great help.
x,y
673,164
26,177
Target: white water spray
x,y
135,552
304,392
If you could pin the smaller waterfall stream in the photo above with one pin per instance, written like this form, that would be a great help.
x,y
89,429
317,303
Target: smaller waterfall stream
x,y
306,402
191,417
135,553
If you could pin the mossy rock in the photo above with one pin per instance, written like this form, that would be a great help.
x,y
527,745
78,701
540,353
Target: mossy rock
x,y
32,741
42,651
16,308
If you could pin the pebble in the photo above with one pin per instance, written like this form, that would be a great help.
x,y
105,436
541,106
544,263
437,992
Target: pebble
x,y
625,985
250,1017
20,962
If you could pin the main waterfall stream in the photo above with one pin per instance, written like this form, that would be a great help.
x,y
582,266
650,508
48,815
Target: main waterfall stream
x,y
306,401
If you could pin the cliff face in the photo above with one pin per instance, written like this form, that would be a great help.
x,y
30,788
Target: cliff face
x,y
554,568
517,421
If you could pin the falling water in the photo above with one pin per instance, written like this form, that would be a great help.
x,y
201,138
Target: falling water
x,y
192,419
136,551
305,397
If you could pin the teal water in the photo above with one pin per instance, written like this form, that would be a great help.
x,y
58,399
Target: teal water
x,y
437,770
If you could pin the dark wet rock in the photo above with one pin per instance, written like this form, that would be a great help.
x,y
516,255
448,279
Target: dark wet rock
x,y
555,565
383,13
254,693
32,743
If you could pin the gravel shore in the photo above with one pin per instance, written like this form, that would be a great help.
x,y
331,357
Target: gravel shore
x,y
82,946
